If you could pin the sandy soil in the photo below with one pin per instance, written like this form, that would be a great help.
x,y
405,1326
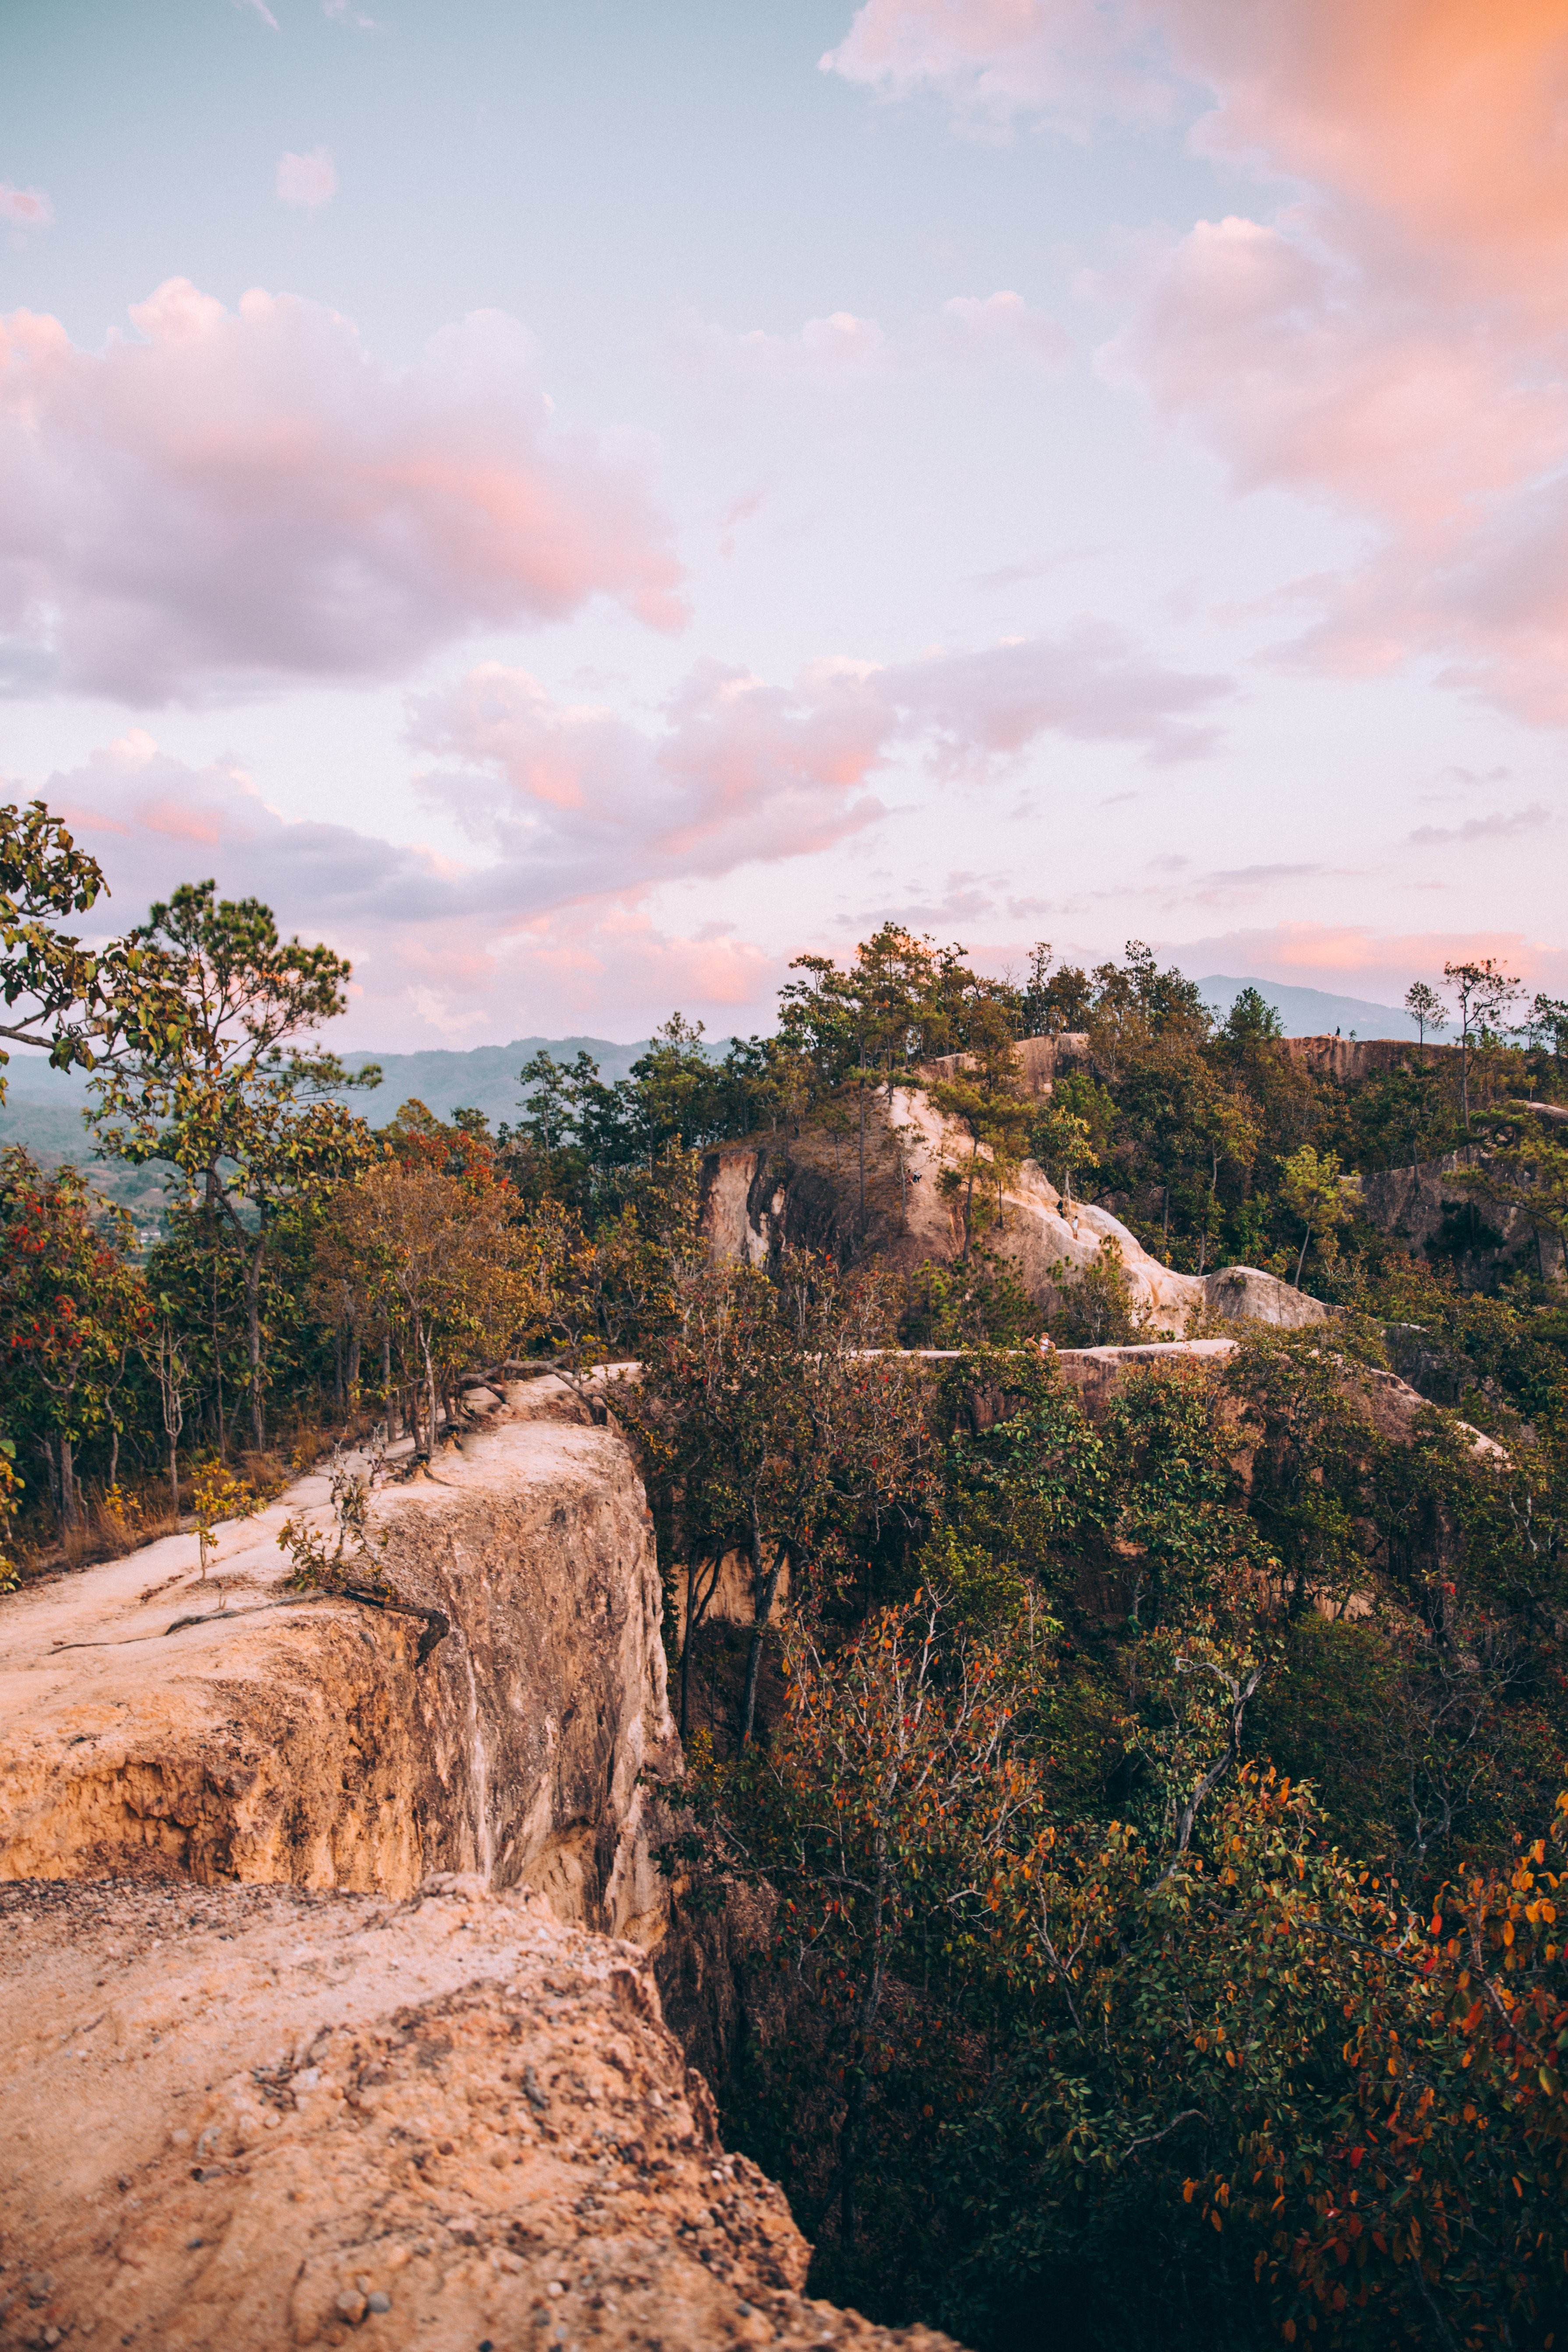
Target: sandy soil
x,y
252,2117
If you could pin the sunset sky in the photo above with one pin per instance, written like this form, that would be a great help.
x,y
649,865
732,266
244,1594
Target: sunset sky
x,y
577,501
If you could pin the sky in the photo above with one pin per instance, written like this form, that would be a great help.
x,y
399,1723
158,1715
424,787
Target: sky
x,y
577,502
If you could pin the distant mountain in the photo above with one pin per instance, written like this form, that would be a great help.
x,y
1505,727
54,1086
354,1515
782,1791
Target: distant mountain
x,y
44,1106
482,1079
1310,1012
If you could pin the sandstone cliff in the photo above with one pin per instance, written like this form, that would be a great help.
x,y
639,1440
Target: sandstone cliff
x,y
291,1739
762,1196
242,2107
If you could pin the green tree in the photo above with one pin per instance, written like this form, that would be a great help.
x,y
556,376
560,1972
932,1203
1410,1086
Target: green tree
x,y
254,1129
1423,1004
1486,994
771,1402
71,1310
1313,1190
80,1005
986,1097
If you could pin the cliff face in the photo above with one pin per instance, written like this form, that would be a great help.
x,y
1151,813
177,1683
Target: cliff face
x,y
241,2107
238,2119
304,1740
1426,1207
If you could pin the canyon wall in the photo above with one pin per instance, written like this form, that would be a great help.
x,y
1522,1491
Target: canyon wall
x,y
282,1738
325,1937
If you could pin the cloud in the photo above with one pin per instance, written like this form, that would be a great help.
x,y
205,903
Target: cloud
x,y
1354,959
844,351
307,181
241,499
259,8
442,953
579,815
1067,62
1496,827
1390,334
25,207
580,801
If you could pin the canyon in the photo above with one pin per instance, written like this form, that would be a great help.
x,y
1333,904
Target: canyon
x,y
330,1965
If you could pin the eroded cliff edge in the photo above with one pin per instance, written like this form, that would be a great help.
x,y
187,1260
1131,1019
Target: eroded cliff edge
x,y
327,1966
302,1739
235,2119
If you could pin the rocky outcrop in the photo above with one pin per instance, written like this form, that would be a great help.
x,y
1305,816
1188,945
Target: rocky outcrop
x,y
281,1738
1040,1061
238,2119
1348,1061
763,1196
242,2107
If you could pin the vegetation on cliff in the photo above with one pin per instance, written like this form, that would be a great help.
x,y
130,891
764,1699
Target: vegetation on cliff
x,y
1160,1791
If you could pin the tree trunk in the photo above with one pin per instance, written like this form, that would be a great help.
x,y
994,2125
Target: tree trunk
x,y
174,1470
114,1447
1301,1259
253,1340
764,1591
217,1351
355,1344
429,1388
69,1513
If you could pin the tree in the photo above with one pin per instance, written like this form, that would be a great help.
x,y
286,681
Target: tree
x,y
79,1005
771,1403
447,1268
253,1129
1251,1022
987,1099
1426,1007
1549,1025
71,1310
1314,1190
1485,992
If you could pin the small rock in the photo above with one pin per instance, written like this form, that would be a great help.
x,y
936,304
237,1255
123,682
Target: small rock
x,y
379,2301
351,2303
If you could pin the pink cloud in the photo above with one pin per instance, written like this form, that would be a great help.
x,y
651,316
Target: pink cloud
x,y
25,207
1392,337
1351,958
307,181
239,498
1068,61
583,802
999,327
442,953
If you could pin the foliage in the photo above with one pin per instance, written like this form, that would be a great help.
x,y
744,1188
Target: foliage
x,y
251,1128
217,1497
82,1006
772,1424
444,1269
10,1486
355,1555
71,1312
